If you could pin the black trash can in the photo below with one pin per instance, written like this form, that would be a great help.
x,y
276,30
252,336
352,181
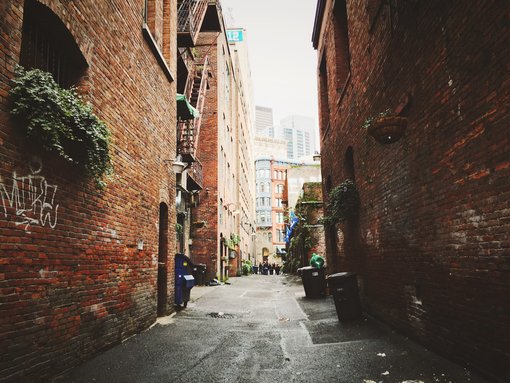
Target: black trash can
x,y
314,281
199,273
344,288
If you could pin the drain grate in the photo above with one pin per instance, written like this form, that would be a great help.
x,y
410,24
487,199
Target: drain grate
x,y
221,315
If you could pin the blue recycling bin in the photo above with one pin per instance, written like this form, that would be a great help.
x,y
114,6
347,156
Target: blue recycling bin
x,y
184,280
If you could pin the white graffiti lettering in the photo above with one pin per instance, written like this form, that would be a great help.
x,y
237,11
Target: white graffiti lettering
x,y
32,198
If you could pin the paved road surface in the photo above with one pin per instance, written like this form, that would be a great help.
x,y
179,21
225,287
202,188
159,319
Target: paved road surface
x,y
262,329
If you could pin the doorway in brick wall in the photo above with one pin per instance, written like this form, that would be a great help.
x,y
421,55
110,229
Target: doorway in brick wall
x,y
163,260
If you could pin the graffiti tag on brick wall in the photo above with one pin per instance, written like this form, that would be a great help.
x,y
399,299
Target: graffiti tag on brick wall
x,y
31,197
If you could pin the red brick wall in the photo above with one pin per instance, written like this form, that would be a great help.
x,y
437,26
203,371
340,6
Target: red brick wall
x,y
77,283
205,240
432,244
314,212
310,207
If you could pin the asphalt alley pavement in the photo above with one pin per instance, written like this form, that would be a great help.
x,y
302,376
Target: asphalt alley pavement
x,y
263,329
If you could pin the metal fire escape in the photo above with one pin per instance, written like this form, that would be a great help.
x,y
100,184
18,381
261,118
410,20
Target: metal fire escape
x,y
188,130
190,15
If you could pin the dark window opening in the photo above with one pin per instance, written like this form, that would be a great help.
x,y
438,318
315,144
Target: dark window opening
x,y
329,184
349,164
163,260
324,98
49,46
341,44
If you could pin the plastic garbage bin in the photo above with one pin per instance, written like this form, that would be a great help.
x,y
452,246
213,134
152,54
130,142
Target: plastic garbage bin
x,y
255,269
314,281
184,281
344,288
199,273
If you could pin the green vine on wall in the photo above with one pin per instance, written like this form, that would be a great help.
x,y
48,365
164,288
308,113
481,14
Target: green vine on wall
x,y
343,203
370,120
60,121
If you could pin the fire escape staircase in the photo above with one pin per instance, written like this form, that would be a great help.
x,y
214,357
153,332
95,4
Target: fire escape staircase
x,y
190,16
188,130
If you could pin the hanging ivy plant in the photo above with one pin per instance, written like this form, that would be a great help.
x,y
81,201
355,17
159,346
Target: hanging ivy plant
x,y
343,203
60,121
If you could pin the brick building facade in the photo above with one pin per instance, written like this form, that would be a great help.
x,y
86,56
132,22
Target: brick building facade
x,y
431,244
225,211
78,264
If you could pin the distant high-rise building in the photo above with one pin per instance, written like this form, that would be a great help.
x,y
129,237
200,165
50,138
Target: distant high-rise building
x,y
264,121
299,132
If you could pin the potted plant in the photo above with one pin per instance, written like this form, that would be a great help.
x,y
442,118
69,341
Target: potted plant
x,y
199,224
386,127
343,203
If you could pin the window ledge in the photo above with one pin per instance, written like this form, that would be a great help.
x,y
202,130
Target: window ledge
x,y
159,56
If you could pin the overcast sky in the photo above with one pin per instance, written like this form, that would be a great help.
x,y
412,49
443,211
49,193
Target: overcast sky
x,y
282,59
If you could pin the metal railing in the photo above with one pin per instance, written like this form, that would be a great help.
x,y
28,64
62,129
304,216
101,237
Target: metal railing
x,y
190,14
188,131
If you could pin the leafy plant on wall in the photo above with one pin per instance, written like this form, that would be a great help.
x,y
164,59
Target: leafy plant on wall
x,y
343,203
60,121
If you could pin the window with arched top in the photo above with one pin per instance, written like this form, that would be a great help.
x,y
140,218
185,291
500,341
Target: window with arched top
x,y
349,164
342,54
329,183
48,45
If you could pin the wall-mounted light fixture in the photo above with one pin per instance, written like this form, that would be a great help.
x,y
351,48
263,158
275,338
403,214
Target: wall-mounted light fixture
x,y
178,167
